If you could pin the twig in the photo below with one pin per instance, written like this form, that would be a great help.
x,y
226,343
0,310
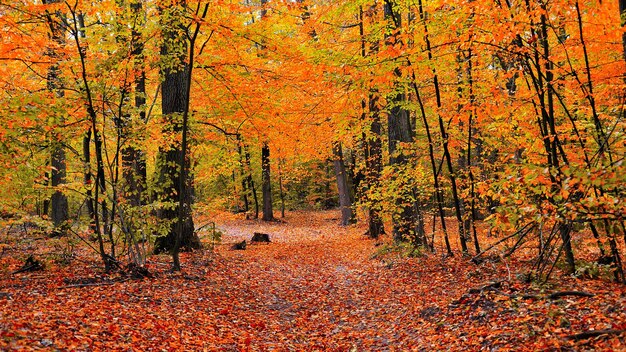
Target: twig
x,y
594,333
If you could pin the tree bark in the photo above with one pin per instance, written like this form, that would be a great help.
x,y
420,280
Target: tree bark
x,y
372,143
400,131
268,212
133,160
345,203
88,180
622,13
281,189
59,204
243,174
374,164
60,208
250,181
174,102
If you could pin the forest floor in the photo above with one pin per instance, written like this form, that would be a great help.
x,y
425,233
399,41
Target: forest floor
x,y
316,286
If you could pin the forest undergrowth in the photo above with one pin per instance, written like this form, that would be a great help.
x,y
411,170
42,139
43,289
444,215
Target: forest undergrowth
x,y
317,286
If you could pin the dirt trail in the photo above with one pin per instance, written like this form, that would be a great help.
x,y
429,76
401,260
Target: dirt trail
x,y
317,285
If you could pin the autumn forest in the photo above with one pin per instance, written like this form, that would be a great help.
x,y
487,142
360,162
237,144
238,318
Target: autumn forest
x,y
349,175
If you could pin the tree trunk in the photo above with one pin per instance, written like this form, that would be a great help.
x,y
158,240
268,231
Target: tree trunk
x,y
622,12
58,202
133,161
444,137
88,180
400,131
268,212
250,181
60,209
345,203
174,102
374,164
372,144
243,174
280,187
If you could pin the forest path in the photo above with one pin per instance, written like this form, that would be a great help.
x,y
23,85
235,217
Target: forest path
x,y
313,283
317,284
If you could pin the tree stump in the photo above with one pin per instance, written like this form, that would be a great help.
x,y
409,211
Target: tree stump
x,y
239,246
31,264
259,237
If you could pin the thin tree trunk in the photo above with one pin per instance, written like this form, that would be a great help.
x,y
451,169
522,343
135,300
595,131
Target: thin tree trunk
x,y
542,82
372,143
470,82
268,211
433,164
444,137
101,224
250,181
243,174
88,180
345,203
280,187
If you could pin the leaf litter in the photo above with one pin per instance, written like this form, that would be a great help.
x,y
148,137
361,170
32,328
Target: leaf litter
x,y
317,286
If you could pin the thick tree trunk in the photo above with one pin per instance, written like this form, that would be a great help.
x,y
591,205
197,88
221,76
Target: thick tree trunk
x,y
59,205
268,212
60,209
133,160
374,164
46,202
400,131
345,202
169,173
174,100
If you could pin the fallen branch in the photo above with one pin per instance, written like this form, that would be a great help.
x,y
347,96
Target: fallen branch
x,y
525,229
495,287
594,333
489,286
89,284
557,295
